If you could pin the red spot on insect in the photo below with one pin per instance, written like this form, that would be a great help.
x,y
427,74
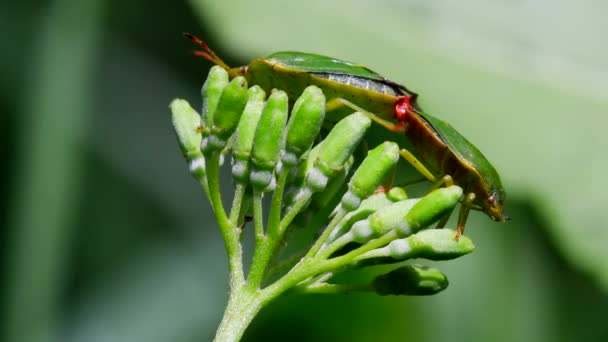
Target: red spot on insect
x,y
244,69
402,107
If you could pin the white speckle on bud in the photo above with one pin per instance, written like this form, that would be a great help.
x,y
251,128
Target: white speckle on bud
x,y
316,180
239,169
298,196
272,185
289,158
279,167
212,142
216,142
362,232
398,249
205,144
261,178
350,201
197,164
404,229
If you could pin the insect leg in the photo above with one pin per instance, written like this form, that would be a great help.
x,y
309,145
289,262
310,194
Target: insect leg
x,y
465,208
407,155
338,102
446,180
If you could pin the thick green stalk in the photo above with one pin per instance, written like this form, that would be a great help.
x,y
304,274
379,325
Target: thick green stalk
x,y
243,306
230,232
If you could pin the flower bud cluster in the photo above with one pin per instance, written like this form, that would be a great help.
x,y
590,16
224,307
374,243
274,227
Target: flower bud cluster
x,y
321,169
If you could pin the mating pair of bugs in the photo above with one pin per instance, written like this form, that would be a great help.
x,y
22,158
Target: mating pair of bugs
x,y
440,153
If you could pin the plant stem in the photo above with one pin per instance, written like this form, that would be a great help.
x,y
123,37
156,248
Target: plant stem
x,y
335,245
326,233
311,266
243,305
325,288
266,245
230,232
237,202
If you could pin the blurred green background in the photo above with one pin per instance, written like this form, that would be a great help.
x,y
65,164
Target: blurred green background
x,y
105,236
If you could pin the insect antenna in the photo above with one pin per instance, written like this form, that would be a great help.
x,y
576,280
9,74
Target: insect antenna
x,y
208,54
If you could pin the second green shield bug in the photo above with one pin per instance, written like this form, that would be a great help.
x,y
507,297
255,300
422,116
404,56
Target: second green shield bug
x,y
439,153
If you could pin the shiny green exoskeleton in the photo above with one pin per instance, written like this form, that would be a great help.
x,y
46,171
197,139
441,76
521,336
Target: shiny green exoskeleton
x,y
440,153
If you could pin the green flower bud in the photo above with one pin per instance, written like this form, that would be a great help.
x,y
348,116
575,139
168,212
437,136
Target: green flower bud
x,y
397,194
368,206
298,175
335,187
186,122
432,244
216,81
227,115
307,162
245,132
370,174
383,221
432,207
304,125
268,140
337,147
411,280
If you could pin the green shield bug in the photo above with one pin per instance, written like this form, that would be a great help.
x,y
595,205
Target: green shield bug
x,y
439,153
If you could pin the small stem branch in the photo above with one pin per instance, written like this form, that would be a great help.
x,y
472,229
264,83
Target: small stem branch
x,y
295,209
285,265
310,267
275,229
265,247
258,218
237,202
335,246
326,233
230,232
325,288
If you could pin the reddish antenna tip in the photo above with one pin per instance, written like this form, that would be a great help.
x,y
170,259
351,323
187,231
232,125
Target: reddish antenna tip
x,y
190,36
208,54
197,41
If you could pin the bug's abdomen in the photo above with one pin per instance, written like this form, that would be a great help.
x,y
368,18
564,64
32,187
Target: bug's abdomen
x,y
439,158
360,82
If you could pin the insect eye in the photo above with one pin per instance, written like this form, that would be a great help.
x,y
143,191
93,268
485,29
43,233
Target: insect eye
x,y
492,199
